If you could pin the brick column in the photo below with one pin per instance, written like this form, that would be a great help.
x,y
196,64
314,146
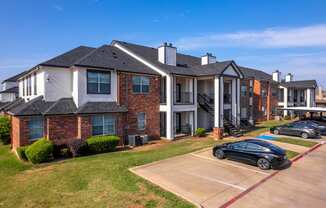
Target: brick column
x,y
218,133
84,127
19,132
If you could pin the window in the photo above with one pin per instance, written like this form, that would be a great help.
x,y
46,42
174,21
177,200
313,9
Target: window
x,y
263,93
35,126
239,146
274,92
251,91
140,84
98,82
29,85
35,84
243,90
141,121
103,125
281,95
256,148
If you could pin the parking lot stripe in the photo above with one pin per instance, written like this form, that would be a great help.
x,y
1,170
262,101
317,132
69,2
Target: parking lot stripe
x,y
230,164
218,181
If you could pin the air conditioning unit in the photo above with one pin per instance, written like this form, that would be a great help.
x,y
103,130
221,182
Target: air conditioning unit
x,y
137,140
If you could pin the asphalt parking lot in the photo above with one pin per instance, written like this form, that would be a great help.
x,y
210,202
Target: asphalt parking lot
x,y
202,179
207,182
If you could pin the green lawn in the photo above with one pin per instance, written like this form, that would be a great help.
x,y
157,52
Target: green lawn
x,y
265,126
300,142
95,181
290,154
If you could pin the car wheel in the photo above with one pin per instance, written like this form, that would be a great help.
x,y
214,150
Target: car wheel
x,y
304,135
263,164
276,132
219,154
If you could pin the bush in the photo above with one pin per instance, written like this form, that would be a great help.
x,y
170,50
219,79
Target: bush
x,y
61,151
78,147
200,132
21,152
99,144
5,127
40,151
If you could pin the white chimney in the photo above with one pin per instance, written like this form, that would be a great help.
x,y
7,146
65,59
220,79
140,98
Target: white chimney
x,y
167,54
289,77
208,59
277,76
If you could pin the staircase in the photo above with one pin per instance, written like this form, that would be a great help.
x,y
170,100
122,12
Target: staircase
x,y
207,103
231,129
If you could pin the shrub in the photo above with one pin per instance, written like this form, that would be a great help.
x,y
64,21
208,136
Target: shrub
x,y
21,152
78,147
5,127
200,132
99,144
40,151
61,151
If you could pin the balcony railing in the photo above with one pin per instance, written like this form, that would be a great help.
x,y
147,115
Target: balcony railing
x,y
184,97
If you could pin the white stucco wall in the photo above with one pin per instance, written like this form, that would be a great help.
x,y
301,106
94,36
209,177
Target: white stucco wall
x,y
57,83
8,85
7,97
79,88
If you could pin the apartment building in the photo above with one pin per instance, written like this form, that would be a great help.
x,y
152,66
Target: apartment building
x,y
293,93
128,89
259,94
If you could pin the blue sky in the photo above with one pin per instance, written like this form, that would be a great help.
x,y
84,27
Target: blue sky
x,y
281,34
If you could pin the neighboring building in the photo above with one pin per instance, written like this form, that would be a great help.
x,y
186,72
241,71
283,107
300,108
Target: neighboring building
x,y
295,93
259,94
9,90
320,97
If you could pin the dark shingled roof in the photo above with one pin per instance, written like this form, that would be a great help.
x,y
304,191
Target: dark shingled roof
x,y
186,64
37,106
69,58
61,107
254,73
300,84
110,57
213,69
12,104
101,107
3,104
15,77
11,90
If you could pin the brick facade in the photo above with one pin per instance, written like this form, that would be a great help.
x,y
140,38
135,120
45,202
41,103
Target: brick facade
x,y
61,129
149,103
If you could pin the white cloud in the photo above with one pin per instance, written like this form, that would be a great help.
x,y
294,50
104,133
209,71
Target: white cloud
x,y
57,7
302,65
309,36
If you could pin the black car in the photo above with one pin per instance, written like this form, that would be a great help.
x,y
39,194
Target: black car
x,y
296,129
263,154
313,124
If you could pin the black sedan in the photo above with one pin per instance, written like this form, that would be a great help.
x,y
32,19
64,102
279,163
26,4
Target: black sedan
x,y
296,129
313,124
263,154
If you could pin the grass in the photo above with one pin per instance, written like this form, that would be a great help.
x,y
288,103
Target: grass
x,y
296,141
290,154
95,181
265,126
